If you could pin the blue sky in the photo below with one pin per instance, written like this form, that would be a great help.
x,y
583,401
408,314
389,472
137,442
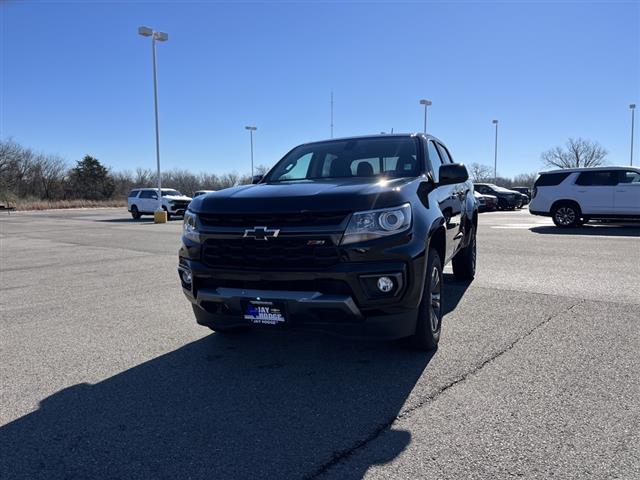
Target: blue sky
x,y
76,77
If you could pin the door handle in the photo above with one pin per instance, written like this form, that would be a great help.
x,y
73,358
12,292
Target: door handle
x,y
620,190
581,191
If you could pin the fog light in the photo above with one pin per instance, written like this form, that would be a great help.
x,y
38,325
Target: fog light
x,y
186,277
385,284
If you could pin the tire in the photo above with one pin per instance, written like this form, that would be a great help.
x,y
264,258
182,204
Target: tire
x,y
135,214
429,323
206,319
566,215
168,214
464,263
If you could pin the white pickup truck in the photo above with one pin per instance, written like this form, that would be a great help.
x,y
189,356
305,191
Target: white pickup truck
x,y
144,201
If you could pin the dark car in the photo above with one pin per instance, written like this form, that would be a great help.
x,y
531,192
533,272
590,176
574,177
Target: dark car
x,y
486,203
525,193
524,190
346,236
507,199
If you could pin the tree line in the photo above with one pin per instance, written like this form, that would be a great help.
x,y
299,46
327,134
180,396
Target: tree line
x,y
576,153
26,174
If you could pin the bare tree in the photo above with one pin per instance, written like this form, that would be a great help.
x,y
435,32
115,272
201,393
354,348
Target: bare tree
x,y
229,180
480,173
578,153
524,179
143,177
50,171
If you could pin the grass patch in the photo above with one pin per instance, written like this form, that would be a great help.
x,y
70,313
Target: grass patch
x,y
27,204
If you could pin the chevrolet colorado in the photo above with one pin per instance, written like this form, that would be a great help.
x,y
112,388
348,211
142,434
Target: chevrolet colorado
x,y
346,236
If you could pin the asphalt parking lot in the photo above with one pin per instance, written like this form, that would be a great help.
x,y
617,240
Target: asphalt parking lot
x,y
105,374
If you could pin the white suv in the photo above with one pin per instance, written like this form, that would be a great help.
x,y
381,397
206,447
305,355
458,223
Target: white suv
x,y
144,201
573,196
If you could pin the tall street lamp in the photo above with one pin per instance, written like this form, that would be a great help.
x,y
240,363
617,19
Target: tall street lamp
x,y
251,130
495,153
156,37
426,103
632,107
331,113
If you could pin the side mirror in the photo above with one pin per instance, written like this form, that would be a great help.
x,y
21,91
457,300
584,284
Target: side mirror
x,y
256,179
452,173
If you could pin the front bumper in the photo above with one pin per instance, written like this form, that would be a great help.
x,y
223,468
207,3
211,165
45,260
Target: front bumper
x,y
176,209
336,300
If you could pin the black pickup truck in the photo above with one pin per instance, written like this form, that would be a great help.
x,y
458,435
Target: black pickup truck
x,y
346,236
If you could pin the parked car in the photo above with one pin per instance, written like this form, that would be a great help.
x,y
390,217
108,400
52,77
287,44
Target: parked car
x,y
144,201
524,200
347,236
525,194
572,197
524,190
507,199
486,203
202,192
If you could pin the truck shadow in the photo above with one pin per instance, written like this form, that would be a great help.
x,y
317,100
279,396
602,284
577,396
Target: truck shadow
x,y
259,405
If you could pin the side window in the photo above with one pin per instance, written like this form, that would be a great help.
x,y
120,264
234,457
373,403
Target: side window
x,y
133,193
598,178
444,153
148,194
629,176
551,179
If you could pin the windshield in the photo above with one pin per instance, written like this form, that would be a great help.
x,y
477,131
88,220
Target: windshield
x,y
175,193
360,157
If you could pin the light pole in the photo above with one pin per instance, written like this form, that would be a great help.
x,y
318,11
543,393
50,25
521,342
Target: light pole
x,y
632,107
495,153
331,113
251,130
160,37
426,103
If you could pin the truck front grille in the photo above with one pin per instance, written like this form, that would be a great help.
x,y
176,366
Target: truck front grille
x,y
307,219
180,204
275,253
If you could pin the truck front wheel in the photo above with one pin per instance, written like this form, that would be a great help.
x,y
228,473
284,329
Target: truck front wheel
x,y
427,333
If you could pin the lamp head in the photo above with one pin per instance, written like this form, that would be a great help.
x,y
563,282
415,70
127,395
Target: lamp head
x,y
161,36
145,31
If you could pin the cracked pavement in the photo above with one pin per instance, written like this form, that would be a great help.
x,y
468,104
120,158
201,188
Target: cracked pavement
x,y
104,373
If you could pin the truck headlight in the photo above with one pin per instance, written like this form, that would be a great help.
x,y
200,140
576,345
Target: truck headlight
x,y
190,226
377,223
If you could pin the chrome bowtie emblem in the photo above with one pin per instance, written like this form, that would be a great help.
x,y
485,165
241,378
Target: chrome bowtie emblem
x,y
261,233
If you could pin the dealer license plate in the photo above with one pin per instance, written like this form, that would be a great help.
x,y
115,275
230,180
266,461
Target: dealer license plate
x,y
264,312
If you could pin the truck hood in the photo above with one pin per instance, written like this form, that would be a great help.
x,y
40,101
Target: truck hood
x,y
177,197
350,194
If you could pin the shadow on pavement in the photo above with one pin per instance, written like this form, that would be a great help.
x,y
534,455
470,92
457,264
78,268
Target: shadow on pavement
x,y
260,405
454,291
255,405
133,222
603,229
